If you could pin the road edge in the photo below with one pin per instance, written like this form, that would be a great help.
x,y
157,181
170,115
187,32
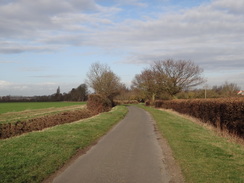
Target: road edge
x,y
171,165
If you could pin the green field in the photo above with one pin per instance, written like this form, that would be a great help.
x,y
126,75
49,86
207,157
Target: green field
x,y
202,155
22,106
34,156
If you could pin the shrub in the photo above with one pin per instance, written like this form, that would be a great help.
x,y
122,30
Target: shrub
x,y
147,103
97,103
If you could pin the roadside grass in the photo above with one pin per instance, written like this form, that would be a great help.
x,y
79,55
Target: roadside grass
x,y
21,106
202,155
34,156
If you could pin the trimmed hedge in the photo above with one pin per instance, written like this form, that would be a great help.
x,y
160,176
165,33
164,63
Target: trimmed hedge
x,y
225,114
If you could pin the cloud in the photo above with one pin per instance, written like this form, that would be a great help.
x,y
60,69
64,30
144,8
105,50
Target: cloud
x,y
42,25
235,7
4,84
204,34
210,34
11,47
26,16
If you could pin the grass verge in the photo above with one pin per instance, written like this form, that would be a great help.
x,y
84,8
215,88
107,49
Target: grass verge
x,y
202,154
34,156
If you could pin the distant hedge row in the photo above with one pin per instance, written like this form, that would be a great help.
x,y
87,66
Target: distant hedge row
x,y
95,105
225,114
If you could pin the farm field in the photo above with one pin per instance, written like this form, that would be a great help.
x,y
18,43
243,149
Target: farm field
x,y
12,112
21,106
32,157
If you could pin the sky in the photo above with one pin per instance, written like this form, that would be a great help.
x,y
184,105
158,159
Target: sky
x,y
49,44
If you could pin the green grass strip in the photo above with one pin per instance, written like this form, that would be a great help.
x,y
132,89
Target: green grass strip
x,y
202,154
34,156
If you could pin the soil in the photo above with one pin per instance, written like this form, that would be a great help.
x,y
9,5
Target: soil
x,y
13,129
28,114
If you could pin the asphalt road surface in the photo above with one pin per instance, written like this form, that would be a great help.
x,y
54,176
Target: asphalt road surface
x,y
129,153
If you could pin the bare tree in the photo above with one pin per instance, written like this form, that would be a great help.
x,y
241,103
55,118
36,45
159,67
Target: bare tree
x,y
227,89
145,84
169,76
103,80
177,75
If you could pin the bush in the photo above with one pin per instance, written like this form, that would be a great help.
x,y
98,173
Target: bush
x,y
225,114
97,103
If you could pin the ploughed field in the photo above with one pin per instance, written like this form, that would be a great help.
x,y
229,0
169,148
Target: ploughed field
x,y
18,118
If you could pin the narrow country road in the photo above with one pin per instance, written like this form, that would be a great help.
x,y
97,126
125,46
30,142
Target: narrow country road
x,y
129,153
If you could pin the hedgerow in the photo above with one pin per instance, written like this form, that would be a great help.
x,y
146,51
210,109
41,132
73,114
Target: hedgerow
x,y
225,114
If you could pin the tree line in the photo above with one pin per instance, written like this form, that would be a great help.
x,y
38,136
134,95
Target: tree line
x,y
76,94
163,79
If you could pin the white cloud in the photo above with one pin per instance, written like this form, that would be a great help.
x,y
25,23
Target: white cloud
x,y
211,34
15,47
4,84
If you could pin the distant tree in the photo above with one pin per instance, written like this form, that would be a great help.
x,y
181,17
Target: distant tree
x,y
58,91
226,89
175,76
146,84
167,78
57,96
79,94
103,81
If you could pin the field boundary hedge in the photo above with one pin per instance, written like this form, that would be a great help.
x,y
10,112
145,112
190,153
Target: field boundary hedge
x,y
95,105
225,114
